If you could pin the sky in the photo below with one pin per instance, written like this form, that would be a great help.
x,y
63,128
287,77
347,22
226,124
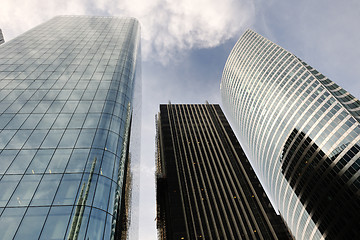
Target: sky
x,y
185,44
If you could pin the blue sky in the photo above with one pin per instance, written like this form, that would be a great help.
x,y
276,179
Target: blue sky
x,y
186,43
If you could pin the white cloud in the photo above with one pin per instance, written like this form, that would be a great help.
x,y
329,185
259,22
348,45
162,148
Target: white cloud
x,y
169,28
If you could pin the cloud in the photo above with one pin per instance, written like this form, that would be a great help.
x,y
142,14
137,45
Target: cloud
x,y
169,28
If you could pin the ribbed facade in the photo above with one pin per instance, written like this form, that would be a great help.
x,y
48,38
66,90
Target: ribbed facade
x,y
302,132
206,188
66,108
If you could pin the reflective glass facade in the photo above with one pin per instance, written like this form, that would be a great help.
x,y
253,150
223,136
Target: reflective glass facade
x,y
302,132
66,104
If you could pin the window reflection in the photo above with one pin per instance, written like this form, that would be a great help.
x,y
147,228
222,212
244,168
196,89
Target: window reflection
x,y
56,223
27,227
59,161
36,138
21,162
101,198
5,137
9,221
25,190
77,160
96,224
19,139
68,189
40,161
45,193
52,139
107,165
83,222
7,185
85,138
6,156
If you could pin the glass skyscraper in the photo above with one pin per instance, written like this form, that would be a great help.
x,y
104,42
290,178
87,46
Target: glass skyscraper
x,y
206,187
302,133
1,37
67,105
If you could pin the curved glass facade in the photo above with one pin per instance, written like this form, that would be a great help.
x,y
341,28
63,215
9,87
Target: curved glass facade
x,y
302,132
66,104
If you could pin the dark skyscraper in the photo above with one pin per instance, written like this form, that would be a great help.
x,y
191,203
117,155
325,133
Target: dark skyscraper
x,y
206,188
302,133
2,40
66,117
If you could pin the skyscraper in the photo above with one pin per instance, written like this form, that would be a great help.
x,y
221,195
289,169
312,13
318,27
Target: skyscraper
x,y
302,133
1,37
67,107
206,188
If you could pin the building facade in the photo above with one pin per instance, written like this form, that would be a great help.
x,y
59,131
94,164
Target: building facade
x,y
206,187
2,40
66,114
302,133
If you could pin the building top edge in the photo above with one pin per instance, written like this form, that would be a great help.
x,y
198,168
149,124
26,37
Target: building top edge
x,y
90,16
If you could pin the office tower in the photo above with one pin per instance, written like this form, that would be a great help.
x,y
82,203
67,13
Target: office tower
x,y
206,188
66,118
2,40
301,131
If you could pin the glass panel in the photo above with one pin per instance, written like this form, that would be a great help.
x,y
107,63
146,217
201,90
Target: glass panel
x,y
86,138
19,139
83,221
32,121
24,191
92,120
56,223
52,139
9,221
83,107
59,161
40,161
112,141
27,228
115,124
36,138
56,106
45,193
91,188
47,121
7,185
7,156
97,106
96,224
77,121
29,107
98,154
68,189
62,121
17,121
5,136
4,119
78,160
100,139
112,197
107,234
107,165
69,107
105,121
21,162
69,138
101,198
